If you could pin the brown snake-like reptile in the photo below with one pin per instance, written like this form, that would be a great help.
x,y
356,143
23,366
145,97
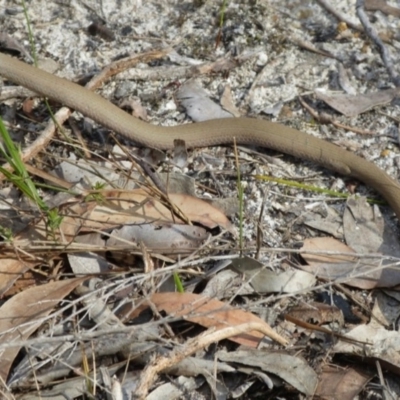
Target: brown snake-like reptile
x,y
210,133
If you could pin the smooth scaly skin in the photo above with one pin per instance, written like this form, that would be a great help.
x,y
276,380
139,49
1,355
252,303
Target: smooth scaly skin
x,y
210,133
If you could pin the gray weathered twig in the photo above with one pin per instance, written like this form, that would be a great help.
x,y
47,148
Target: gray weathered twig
x,y
373,35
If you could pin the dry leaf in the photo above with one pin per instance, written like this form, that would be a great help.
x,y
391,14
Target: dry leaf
x,y
208,313
266,281
227,101
328,221
385,346
178,183
28,308
89,263
137,207
326,244
197,103
363,273
7,42
366,231
351,106
164,239
337,383
89,171
293,370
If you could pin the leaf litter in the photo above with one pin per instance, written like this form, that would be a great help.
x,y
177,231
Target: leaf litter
x,y
127,242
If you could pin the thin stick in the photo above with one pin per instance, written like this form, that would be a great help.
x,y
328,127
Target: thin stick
x,y
210,336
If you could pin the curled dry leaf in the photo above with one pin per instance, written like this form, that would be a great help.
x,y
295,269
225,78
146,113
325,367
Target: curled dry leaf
x,y
209,313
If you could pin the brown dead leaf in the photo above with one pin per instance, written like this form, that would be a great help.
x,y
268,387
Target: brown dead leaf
x,y
137,206
210,313
326,244
11,269
22,314
340,384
